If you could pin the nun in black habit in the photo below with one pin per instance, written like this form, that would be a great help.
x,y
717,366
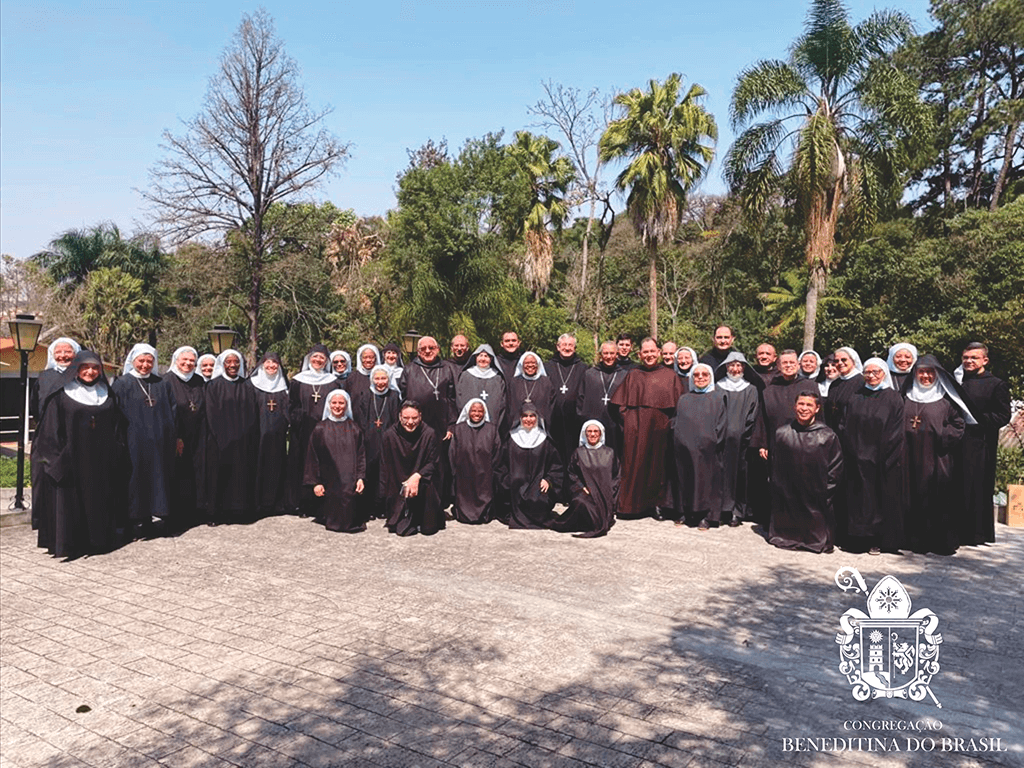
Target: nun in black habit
x,y
188,389
232,435
743,430
147,405
367,358
699,431
59,355
375,410
841,389
409,474
871,430
392,360
307,393
593,477
336,466
270,391
205,365
530,471
78,448
475,454
901,361
481,379
530,387
935,415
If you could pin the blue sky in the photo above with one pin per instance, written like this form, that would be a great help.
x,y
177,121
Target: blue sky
x,y
87,88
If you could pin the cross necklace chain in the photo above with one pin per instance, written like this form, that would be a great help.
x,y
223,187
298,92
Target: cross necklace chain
x,y
433,383
146,393
377,422
529,389
565,379
607,386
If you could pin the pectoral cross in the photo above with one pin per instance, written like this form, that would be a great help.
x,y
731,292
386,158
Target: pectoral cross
x,y
271,405
563,389
436,395
316,396
378,423
605,399
915,422
483,395
149,400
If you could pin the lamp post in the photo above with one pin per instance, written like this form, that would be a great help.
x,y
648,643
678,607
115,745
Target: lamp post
x,y
409,341
221,338
25,334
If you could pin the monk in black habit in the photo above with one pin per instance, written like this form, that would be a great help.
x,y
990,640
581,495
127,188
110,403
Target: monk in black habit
x,y
336,466
644,406
872,434
934,414
698,441
408,475
530,470
270,391
59,355
149,411
78,448
232,434
807,469
476,458
566,371
307,392
988,398
743,431
599,384
375,410
594,486
509,352
430,382
188,388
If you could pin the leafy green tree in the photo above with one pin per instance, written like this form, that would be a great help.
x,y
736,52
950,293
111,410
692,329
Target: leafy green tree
x,y
848,115
548,179
668,140
113,307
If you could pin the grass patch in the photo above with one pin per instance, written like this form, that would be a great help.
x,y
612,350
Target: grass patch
x,y
9,471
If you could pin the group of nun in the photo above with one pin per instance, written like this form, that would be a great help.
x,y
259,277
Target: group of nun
x,y
883,464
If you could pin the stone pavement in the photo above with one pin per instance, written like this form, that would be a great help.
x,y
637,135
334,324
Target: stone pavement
x,y
280,644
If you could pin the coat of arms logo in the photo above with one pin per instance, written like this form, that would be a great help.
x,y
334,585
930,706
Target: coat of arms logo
x,y
887,652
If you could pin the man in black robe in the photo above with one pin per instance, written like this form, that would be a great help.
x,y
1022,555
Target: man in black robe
x,y
988,398
765,361
509,353
599,384
408,475
459,355
624,351
778,396
566,371
722,342
807,469
644,406
231,438
430,382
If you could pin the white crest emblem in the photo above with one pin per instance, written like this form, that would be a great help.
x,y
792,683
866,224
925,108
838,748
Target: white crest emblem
x,y
888,651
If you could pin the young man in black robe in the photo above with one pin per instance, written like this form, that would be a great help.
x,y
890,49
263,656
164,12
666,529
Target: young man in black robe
x,y
78,449
476,451
336,466
644,406
566,371
596,390
624,351
509,352
232,434
988,398
408,475
188,388
722,342
149,411
807,469
270,385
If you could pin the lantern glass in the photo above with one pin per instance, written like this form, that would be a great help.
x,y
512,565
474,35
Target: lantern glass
x,y
221,338
25,332
409,340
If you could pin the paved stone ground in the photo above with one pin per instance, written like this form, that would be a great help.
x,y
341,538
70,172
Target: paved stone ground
x,y
280,644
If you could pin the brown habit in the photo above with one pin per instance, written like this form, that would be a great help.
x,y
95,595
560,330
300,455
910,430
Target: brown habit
x,y
645,405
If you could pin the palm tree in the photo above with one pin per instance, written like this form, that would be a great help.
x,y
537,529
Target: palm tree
x,y
548,179
848,116
787,301
669,142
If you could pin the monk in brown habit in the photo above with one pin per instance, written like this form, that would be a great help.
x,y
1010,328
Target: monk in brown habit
x,y
644,405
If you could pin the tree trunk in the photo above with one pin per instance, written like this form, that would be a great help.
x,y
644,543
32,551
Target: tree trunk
x,y
821,231
583,264
652,254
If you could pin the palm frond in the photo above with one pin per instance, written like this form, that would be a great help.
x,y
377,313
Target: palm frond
x,y
766,86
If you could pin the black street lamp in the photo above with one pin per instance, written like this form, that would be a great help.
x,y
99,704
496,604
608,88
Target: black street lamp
x,y
221,338
25,334
409,341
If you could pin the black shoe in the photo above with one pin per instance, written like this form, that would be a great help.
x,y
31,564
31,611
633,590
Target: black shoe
x,y
735,522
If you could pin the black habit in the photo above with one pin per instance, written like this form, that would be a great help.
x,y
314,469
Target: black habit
x,y
567,377
591,512
375,414
336,459
188,485
596,390
49,381
305,410
492,391
807,469
698,442
403,454
988,399
232,435
522,469
933,433
476,457
272,450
